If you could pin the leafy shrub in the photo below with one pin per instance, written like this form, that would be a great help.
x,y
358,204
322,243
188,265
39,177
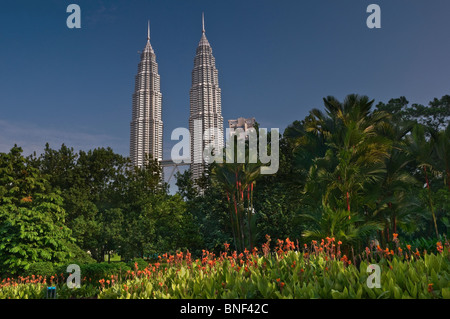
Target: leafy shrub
x,y
97,271
424,244
22,291
79,256
86,291
141,263
42,268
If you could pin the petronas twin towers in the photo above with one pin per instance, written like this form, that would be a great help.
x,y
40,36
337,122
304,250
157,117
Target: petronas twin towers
x,y
205,107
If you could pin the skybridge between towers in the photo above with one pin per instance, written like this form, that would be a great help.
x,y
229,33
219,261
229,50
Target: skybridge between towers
x,y
175,166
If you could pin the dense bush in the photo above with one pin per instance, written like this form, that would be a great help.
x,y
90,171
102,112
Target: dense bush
x,y
44,269
139,262
98,271
79,256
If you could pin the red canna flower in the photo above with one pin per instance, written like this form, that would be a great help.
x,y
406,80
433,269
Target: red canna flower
x,y
439,247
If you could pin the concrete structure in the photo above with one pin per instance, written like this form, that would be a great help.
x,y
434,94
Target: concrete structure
x,y
205,104
241,123
146,128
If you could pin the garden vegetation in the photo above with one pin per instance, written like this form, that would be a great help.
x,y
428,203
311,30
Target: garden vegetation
x,y
361,174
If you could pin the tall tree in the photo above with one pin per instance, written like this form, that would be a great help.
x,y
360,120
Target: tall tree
x,y
31,217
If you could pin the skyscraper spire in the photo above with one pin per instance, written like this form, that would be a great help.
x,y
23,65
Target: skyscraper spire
x,y
203,40
205,106
146,127
203,22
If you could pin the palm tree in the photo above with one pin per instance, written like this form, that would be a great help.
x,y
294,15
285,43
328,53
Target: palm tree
x,y
392,195
441,149
327,222
356,151
421,149
237,180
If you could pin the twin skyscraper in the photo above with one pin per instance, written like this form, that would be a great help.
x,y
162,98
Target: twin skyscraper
x,y
146,128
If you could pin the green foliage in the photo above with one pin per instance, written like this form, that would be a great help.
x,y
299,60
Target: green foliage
x,y
43,268
79,256
113,207
140,262
23,291
350,170
423,244
287,276
210,226
97,271
86,291
286,272
32,218
329,223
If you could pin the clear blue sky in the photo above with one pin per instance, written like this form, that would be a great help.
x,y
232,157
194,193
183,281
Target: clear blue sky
x,y
276,61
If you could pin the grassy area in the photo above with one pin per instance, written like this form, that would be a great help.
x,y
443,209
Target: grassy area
x,y
114,258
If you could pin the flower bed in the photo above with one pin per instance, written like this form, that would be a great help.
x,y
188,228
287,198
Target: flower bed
x,y
320,270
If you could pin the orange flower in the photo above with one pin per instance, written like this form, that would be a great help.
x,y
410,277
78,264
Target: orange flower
x,y
430,287
339,243
27,199
395,236
439,247
408,246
